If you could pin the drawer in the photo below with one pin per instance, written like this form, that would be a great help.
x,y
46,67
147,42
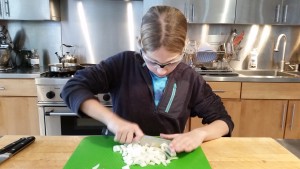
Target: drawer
x,y
17,87
226,89
270,90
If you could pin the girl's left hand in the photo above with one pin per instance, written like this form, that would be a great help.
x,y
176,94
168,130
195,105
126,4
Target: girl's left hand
x,y
185,142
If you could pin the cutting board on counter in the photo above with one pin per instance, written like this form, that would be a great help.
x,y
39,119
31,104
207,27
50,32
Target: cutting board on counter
x,y
94,150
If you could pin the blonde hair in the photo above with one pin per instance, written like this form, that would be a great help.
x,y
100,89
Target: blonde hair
x,y
163,26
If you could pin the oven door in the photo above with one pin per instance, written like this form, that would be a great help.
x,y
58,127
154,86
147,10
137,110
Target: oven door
x,y
62,121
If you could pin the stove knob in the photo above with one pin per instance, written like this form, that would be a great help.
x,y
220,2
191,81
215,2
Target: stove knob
x,y
106,97
50,94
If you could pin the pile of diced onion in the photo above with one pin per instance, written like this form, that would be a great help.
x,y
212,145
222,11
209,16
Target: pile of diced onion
x,y
143,155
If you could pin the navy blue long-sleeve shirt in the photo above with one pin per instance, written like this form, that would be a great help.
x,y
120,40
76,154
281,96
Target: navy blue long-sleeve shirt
x,y
126,77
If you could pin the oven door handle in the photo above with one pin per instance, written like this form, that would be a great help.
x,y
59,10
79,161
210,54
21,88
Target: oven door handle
x,y
51,113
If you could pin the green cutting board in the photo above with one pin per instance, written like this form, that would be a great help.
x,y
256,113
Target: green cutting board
x,y
93,150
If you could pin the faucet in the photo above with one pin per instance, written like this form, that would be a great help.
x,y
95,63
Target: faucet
x,y
283,50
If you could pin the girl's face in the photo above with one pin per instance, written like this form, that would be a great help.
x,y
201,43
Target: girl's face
x,y
161,62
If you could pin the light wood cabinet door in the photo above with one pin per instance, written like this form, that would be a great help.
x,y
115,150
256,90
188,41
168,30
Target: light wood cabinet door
x,y
233,108
253,90
18,107
263,118
19,115
292,130
17,87
226,90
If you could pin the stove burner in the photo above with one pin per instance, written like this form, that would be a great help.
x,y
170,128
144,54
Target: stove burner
x,y
58,74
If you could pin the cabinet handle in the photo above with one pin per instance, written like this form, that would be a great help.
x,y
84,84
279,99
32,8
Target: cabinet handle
x,y
1,9
185,11
284,14
2,88
193,13
293,114
7,8
283,117
277,14
219,91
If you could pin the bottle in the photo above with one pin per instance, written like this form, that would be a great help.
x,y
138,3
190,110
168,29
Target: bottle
x,y
35,59
253,59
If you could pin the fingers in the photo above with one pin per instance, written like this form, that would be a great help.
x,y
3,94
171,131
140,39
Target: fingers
x,y
183,145
138,134
185,142
128,133
168,136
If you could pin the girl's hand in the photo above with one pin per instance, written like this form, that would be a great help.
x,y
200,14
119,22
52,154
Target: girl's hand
x,y
185,142
125,131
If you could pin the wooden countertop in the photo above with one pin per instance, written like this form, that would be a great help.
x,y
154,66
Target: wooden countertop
x,y
52,152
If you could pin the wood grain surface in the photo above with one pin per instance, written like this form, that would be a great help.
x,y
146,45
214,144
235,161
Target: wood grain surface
x,y
52,152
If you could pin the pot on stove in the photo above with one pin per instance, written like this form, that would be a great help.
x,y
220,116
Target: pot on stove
x,y
64,67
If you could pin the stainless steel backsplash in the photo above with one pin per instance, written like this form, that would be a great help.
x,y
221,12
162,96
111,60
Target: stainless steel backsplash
x,y
101,28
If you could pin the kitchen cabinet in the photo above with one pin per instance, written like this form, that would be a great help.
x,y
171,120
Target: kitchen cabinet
x,y
267,12
263,118
230,94
30,10
270,110
200,11
182,5
18,109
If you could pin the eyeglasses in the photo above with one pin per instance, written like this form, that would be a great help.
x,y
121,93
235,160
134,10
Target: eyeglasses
x,y
152,63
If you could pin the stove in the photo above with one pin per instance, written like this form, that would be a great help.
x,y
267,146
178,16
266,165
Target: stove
x,y
55,118
50,84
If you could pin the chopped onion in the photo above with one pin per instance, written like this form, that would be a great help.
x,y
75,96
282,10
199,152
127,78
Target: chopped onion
x,y
143,155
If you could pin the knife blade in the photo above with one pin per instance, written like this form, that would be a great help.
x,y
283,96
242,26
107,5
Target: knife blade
x,y
16,148
156,142
153,141
9,146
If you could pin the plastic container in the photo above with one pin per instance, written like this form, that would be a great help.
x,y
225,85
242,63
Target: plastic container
x,y
253,59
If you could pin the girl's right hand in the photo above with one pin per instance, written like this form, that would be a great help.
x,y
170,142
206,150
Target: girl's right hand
x,y
125,131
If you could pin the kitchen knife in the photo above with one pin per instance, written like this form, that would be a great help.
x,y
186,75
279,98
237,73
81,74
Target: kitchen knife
x,y
15,149
153,141
9,146
156,142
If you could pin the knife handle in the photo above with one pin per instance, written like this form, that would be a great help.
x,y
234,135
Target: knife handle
x,y
9,146
22,145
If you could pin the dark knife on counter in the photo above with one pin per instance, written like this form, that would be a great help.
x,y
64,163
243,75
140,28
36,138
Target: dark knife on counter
x,y
15,147
11,145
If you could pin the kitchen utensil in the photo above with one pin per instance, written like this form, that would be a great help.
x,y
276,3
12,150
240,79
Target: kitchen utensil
x,y
153,141
206,56
94,150
64,67
156,142
237,40
16,148
68,57
9,146
23,58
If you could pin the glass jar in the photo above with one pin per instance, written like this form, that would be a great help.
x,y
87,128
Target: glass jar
x,y
35,59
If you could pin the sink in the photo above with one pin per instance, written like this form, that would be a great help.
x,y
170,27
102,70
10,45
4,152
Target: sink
x,y
216,72
266,73
293,145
